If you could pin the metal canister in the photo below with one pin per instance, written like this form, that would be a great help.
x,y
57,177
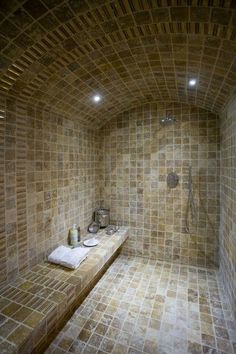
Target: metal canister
x,y
102,216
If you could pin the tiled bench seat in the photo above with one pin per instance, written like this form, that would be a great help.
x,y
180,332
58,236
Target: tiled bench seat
x,y
36,305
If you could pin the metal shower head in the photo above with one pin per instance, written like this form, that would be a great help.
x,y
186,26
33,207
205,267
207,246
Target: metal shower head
x,y
167,120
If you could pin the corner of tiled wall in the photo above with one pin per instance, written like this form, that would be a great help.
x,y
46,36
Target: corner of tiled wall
x,y
228,203
138,155
3,255
51,167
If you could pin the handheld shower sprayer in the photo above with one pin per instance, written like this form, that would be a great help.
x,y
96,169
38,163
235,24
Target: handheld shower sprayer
x,y
191,206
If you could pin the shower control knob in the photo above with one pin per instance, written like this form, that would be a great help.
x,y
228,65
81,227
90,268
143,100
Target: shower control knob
x,y
172,180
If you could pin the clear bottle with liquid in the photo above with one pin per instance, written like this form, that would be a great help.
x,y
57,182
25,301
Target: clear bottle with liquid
x,y
73,235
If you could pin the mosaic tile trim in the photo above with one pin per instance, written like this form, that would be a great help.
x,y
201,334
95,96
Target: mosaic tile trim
x,y
33,306
56,53
138,155
147,306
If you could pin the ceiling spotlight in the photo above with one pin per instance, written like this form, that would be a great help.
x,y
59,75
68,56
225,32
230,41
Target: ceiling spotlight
x,y
192,82
97,98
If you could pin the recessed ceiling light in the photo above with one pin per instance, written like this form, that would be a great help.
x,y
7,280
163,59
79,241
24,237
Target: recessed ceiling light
x,y
97,98
192,82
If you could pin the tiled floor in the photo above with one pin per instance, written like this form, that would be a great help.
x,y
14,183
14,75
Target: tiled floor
x,y
147,306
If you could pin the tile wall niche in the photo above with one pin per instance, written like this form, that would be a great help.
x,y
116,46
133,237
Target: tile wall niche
x,y
138,155
49,171
228,203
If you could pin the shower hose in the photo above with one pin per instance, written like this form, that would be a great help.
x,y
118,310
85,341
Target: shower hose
x,y
191,209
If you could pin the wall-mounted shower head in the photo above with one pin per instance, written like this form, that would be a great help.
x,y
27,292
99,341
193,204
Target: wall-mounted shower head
x,y
167,120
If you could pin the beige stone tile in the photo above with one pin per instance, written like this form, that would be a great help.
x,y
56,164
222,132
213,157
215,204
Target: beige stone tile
x,y
19,335
183,326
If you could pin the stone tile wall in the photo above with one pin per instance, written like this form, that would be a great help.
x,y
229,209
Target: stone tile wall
x,y
51,169
138,155
49,172
58,52
228,203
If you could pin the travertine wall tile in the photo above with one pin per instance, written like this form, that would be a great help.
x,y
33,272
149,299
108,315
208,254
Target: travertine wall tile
x,y
228,203
57,54
53,169
138,155
51,165
3,241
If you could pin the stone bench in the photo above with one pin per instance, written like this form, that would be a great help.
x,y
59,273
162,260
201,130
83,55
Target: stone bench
x,y
37,305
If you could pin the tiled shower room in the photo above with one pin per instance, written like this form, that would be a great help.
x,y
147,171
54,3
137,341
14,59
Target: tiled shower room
x,y
118,176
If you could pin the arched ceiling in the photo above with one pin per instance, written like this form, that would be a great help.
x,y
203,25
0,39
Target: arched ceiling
x,y
57,54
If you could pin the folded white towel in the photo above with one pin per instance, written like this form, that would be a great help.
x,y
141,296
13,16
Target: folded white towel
x,y
74,257
57,255
70,258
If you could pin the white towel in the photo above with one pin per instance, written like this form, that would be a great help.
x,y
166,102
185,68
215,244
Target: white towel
x,y
57,255
70,258
74,257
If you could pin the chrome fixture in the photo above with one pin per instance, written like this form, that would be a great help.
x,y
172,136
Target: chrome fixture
x,y
172,180
191,208
167,120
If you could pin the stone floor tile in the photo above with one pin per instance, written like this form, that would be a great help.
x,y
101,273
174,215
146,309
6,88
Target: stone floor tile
x,y
151,307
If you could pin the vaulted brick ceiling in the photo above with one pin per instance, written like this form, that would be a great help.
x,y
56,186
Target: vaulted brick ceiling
x,y
57,54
